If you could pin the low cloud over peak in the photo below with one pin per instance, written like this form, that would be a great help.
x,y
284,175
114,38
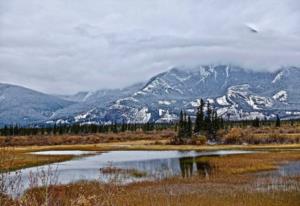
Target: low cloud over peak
x,y
63,46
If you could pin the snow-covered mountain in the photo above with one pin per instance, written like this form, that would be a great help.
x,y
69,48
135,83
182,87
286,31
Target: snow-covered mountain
x,y
236,93
19,105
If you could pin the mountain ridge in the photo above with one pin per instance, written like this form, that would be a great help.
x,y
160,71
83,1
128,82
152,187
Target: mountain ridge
x,y
235,92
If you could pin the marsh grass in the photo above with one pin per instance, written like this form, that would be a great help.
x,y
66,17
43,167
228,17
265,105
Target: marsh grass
x,y
17,160
173,191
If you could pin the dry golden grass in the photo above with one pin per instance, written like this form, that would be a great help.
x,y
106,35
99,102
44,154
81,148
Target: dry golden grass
x,y
161,193
267,135
21,160
247,163
41,140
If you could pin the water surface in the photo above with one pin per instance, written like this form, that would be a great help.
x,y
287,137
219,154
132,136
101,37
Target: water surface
x,y
156,164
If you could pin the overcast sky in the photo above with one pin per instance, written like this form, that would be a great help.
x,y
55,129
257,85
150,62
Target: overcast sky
x,y
65,46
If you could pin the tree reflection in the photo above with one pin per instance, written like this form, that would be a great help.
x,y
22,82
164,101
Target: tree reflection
x,y
190,164
186,166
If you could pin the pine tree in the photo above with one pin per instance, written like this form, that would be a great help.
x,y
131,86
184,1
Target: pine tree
x,y
208,119
180,126
256,122
277,121
123,128
189,128
199,123
215,122
185,126
5,130
54,130
292,122
115,128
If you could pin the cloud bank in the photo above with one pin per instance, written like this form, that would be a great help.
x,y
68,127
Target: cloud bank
x,y
65,46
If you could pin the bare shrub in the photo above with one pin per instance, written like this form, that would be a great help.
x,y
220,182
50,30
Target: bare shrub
x,y
41,184
10,182
234,136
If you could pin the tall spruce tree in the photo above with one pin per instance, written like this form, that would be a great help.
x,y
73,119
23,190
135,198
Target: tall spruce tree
x,y
180,126
256,122
189,127
199,123
208,119
277,121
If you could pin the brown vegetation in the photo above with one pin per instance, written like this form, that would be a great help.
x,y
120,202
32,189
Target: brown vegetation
x,y
84,139
266,135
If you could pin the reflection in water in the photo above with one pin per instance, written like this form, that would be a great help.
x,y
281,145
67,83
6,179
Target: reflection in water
x,y
186,166
190,164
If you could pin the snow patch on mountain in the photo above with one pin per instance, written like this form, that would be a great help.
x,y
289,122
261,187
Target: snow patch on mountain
x,y
196,103
257,102
227,71
281,96
221,111
139,93
166,117
119,101
82,116
62,121
204,74
210,100
278,77
142,116
181,79
164,102
89,94
222,101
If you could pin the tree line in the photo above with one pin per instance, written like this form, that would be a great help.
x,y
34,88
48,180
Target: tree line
x,y
61,129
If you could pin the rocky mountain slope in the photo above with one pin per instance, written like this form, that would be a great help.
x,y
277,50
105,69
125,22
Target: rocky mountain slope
x,y
236,93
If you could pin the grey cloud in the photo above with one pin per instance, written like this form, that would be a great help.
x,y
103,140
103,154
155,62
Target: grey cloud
x,y
64,46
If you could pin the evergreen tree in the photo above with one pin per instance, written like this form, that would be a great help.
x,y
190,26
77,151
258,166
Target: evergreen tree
x,y
185,126
54,130
292,122
199,123
208,120
123,128
215,122
5,130
180,133
277,121
115,127
256,122
189,127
